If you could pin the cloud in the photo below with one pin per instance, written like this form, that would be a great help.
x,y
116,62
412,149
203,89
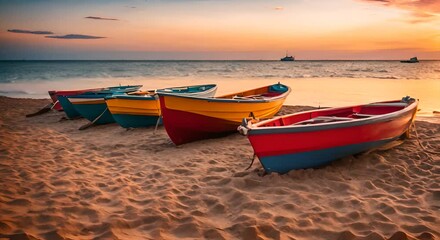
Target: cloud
x,y
279,8
75,36
421,10
30,32
102,18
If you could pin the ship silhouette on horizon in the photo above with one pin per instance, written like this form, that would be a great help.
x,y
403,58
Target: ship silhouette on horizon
x,y
288,58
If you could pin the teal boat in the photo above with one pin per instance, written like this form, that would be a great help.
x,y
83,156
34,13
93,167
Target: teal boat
x,y
92,105
143,110
70,110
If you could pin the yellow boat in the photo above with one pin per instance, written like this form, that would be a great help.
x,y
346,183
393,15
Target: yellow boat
x,y
188,119
142,109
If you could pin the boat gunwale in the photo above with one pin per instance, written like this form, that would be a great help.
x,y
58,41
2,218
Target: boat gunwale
x,y
80,101
73,92
154,96
212,87
119,89
255,129
132,97
230,100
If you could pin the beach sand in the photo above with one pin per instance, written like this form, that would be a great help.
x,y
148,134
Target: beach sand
x,y
106,182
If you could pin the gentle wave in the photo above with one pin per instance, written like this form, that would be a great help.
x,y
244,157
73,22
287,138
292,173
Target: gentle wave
x,y
8,92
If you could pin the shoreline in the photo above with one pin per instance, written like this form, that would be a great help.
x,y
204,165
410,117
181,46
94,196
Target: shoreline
x,y
108,182
335,91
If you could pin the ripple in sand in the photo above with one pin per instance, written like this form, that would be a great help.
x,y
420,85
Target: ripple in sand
x,y
18,236
21,202
213,234
4,227
187,230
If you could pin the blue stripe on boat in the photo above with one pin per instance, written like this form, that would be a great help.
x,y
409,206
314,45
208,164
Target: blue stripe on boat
x,y
135,121
316,158
68,108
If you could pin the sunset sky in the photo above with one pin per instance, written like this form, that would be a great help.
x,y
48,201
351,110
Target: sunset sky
x,y
219,29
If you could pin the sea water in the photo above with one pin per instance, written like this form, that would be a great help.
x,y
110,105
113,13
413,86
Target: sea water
x,y
313,83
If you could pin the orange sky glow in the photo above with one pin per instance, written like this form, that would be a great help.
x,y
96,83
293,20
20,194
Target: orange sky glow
x,y
220,29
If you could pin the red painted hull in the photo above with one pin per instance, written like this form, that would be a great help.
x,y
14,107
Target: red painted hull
x,y
54,95
183,127
282,143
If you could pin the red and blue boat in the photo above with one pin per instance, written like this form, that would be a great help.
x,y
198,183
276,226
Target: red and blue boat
x,y
315,138
58,98
55,94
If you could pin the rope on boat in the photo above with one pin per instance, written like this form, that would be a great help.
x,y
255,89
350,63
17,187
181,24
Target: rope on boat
x,y
252,162
157,124
92,122
45,109
55,103
420,143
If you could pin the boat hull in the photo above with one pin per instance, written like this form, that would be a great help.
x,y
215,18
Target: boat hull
x,y
184,127
312,159
282,149
135,111
68,107
136,121
92,109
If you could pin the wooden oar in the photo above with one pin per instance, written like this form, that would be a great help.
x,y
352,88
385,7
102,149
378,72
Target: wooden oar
x,y
45,109
92,122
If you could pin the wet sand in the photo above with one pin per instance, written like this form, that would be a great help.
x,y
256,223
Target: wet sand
x,y
106,182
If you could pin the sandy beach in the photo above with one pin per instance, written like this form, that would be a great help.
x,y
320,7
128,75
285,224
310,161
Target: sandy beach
x,y
106,182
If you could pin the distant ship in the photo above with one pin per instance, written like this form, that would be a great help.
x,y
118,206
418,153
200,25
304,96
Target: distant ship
x,y
411,60
288,58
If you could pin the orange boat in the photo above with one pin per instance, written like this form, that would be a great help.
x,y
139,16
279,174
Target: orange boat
x,y
188,118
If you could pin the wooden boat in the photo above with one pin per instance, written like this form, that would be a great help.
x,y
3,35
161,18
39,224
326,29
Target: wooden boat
x,y
143,109
411,60
188,118
54,94
60,97
315,138
91,105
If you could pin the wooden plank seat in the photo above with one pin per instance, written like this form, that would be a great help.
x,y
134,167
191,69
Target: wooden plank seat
x,y
258,96
323,119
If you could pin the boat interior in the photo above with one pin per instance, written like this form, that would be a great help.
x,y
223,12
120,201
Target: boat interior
x,y
189,89
258,93
337,114
143,93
